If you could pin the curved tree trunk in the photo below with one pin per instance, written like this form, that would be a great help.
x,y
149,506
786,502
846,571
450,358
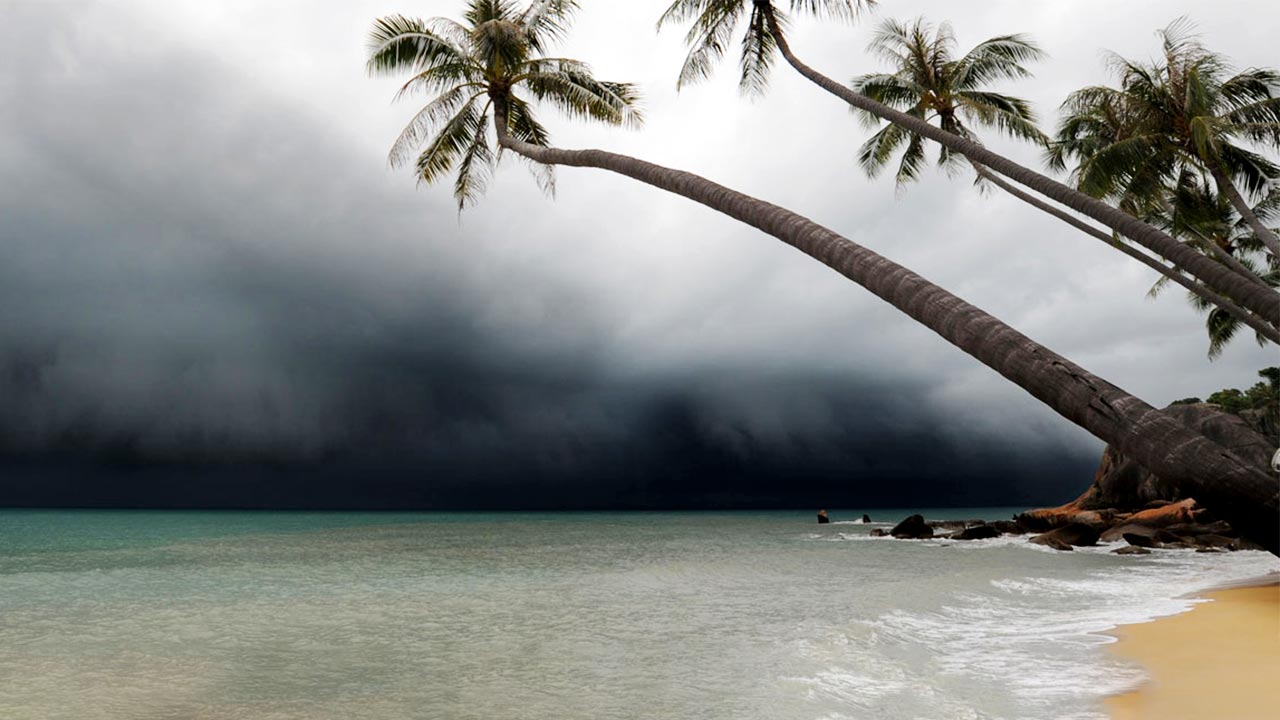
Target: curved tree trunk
x,y
1260,326
1228,188
1262,301
1235,490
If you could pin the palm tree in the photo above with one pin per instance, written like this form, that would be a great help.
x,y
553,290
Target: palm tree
x,y
496,54
1170,117
930,83
714,23
1195,211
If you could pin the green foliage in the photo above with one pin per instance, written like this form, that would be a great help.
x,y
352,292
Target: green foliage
x,y
1188,401
928,82
475,68
1181,113
713,24
1263,396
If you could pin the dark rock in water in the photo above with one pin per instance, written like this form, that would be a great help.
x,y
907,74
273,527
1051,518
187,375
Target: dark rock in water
x,y
1073,534
1054,543
822,517
1138,540
1118,532
1213,541
1009,527
1245,544
879,532
866,519
1131,550
913,528
977,532
1220,527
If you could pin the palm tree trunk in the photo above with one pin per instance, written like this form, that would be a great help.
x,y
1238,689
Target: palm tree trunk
x,y
1260,300
1264,329
1232,488
1228,188
1218,252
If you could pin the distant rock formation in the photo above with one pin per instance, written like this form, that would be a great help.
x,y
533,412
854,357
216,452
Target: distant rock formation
x,y
913,528
823,518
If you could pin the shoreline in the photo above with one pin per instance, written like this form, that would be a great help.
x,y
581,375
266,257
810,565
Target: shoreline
x,y
1218,659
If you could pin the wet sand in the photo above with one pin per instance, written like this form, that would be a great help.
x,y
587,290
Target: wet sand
x,y
1221,659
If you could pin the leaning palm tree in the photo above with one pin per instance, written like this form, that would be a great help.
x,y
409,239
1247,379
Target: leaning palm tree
x,y
929,82
493,63
1179,114
713,25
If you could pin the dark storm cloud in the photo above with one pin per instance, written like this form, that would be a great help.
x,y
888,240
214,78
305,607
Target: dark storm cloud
x,y
213,294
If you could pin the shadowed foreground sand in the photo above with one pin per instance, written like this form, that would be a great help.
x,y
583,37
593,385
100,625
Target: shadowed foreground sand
x,y
1219,660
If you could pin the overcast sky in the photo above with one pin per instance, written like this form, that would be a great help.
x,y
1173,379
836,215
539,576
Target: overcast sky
x,y
207,263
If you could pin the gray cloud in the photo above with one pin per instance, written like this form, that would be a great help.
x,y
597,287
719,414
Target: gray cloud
x,y
207,263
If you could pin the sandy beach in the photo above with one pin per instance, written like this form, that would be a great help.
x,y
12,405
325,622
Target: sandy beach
x,y
1219,660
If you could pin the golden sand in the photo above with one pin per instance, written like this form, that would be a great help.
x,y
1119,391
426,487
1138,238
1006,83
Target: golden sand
x,y
1219,660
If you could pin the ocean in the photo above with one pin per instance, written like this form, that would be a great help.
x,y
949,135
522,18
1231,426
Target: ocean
x,y
226,615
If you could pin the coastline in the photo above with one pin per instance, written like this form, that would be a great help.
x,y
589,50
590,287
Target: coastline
x,y
1218,659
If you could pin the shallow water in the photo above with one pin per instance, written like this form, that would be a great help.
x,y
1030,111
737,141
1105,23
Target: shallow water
x,y
576,615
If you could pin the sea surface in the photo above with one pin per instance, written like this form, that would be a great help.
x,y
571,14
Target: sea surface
x,y
732,615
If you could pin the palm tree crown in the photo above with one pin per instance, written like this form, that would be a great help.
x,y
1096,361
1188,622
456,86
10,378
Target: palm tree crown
x,y
930,83
1183,112
1203,216
714,23
496,55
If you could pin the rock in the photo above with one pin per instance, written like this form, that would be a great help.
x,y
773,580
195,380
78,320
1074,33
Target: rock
x,y
1179,513
1050,518
866,519
1073,534
913,528
1154,504
1009,527
1139,540
1131,550
1054,543
1118,532
1213,541
823,518
1245,544
949,524
1220,527
879,532
977,532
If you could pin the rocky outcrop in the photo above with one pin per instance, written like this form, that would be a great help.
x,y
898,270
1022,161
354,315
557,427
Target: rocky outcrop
x,y
1125,499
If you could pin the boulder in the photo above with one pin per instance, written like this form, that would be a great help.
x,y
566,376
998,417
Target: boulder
x,y
1213,541
1139,540
1245,544
1054,543
1009,527
1180,513
866,519
912,528
1075,534
1118,532
977,532
1220,527
1131,550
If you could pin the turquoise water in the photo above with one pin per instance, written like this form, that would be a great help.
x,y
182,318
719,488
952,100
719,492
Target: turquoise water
x,y
575,615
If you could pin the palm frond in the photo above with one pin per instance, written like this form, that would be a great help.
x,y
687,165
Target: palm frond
x,y
398,43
